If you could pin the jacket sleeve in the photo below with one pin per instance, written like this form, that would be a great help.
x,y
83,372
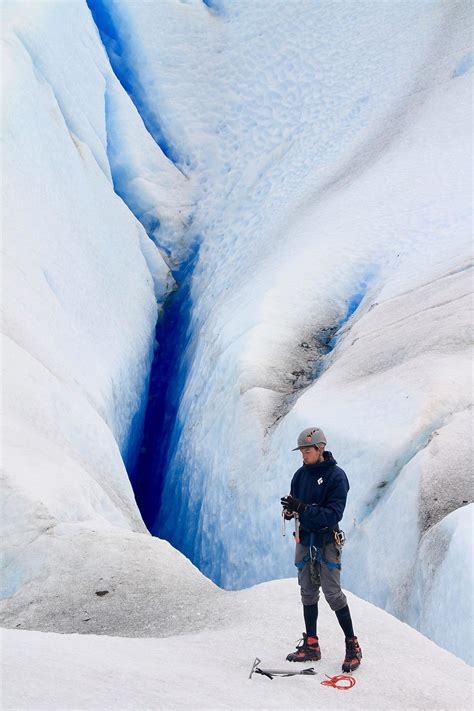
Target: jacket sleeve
x,y
292,486
317,517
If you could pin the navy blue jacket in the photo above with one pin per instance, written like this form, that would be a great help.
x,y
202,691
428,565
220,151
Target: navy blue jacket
x,y
324,487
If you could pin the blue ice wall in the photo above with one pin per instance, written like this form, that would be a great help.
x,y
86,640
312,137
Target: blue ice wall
x,y
168,376
131,449
159,458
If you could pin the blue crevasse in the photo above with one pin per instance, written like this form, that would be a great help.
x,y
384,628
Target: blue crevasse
x,y
169,370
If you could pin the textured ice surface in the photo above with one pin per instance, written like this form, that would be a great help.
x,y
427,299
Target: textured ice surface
x,y
93,578
444,556
322,156
81,281
104,672
331,148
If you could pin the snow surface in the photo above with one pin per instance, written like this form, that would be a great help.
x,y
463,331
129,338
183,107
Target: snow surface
x,y
400,669
319,154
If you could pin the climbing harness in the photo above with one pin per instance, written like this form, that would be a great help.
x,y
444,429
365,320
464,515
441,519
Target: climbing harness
x,y
341,682
315,556
270,673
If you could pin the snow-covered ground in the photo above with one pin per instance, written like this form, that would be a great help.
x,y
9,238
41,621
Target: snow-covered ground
x,y
401,669
319,153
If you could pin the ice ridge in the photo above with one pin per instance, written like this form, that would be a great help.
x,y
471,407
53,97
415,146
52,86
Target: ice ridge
x,y
115,44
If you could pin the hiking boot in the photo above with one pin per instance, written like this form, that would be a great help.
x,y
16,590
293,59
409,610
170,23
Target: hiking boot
x,y
353,655
307,650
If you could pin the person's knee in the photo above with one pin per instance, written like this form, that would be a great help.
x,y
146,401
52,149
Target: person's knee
x,y
336,600
309,591
309,598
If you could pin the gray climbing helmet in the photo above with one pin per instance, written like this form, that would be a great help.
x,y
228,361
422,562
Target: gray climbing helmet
x,y
310,437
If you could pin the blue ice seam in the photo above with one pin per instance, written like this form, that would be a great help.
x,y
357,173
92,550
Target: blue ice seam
x,y
116,51
466,63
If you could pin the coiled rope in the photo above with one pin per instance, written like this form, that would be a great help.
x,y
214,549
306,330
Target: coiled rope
x,y
334,681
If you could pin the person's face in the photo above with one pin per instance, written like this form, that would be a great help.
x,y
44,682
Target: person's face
x,y
311,455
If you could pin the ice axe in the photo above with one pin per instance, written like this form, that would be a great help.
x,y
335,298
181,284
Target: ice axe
x,y
270,673
297,525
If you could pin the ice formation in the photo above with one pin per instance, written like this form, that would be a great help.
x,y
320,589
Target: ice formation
x,y
346,143
308,164
81,284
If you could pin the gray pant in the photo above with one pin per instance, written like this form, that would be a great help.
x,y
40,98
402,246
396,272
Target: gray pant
x,y
330,579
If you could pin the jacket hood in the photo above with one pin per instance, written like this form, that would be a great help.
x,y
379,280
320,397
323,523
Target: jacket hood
x,y
328,462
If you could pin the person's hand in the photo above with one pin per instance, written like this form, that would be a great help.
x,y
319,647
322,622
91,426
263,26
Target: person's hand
x,y
291,504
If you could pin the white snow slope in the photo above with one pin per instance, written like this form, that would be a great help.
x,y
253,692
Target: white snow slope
x,y
327,146
401,669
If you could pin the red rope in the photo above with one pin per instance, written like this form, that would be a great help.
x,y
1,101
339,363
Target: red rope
x,y
334,680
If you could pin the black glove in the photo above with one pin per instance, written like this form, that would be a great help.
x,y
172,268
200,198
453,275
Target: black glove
x,y
289,503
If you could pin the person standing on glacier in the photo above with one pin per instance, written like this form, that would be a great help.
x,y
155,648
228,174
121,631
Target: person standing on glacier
x,y
317,500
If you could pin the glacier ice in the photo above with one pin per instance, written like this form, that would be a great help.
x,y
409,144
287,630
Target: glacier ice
x,y
81,281
320,161
333,171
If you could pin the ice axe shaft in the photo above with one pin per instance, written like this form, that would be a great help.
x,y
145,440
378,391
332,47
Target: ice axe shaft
x,y
270,673
297,528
